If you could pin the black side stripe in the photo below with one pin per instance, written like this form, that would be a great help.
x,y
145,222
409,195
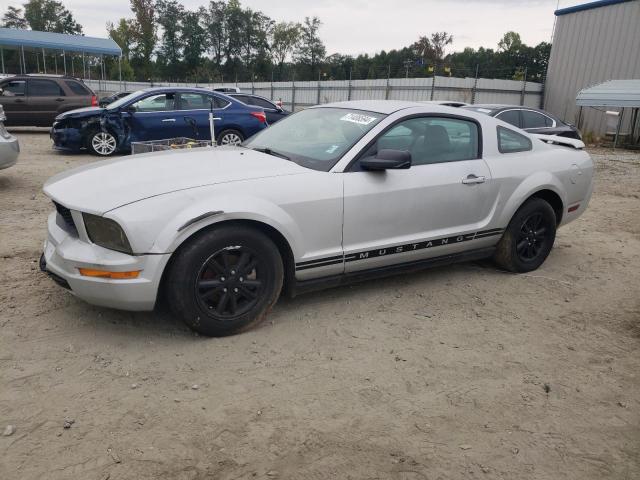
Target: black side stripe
x,y
409,247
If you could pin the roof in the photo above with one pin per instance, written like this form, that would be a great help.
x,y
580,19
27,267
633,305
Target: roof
x,y
379,106
58,41
588,6
614,93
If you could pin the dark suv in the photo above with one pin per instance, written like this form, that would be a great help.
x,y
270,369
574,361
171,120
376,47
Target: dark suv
x,y
36,100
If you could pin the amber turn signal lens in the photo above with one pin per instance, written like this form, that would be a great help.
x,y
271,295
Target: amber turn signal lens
x,y
88,272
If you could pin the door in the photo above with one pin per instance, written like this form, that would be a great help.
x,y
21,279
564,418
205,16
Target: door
x,y
436,207
193,116
45,98
154,118
14,102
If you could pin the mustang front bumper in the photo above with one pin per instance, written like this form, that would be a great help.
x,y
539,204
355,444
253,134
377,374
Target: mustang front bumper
x,y
64,253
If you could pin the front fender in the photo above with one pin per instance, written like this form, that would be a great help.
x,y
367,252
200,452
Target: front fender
x,y
156,225
532,184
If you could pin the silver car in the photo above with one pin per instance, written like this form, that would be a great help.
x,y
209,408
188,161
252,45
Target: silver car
x,y
332,194
9,146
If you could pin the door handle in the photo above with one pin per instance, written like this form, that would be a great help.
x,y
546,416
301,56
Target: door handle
x,y
168,119
19,101
217,118
59,99
473,179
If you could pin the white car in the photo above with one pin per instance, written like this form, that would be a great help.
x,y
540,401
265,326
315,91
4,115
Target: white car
x,y
9,146
332,194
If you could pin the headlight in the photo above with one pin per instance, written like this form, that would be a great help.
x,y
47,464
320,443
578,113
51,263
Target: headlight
x,y
106,233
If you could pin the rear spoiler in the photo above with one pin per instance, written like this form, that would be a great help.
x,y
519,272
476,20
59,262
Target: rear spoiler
x,y
557,140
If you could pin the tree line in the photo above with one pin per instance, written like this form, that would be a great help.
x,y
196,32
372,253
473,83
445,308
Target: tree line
x,y
226,42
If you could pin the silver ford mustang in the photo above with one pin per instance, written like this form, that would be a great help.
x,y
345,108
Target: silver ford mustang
x,y
332,194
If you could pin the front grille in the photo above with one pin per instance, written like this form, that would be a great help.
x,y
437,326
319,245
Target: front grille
x,y
65,213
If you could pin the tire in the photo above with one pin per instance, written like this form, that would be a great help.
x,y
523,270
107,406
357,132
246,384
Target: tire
x,y
529,238
102,143
225,280
230,137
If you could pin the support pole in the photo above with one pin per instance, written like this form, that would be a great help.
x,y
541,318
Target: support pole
x,y
349,85
73,72
475,86
433,83
387,90
2,58
37,62
272,84
44,61
84,74
24,63
318,98
524,87
615,139
55,61
293,93
64,61
120,71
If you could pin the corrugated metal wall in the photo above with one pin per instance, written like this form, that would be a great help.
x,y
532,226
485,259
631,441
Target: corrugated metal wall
x,y
304,94
590,47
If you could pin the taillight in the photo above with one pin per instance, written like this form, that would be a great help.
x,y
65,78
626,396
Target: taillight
x,y
94,101
260,116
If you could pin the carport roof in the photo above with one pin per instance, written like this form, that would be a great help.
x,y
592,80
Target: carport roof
x,y
13,37
614,93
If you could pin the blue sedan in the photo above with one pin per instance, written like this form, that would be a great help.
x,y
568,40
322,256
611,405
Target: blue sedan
x,y
156,114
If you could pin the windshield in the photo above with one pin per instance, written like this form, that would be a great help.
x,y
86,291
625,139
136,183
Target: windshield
x,y
315,138
121,101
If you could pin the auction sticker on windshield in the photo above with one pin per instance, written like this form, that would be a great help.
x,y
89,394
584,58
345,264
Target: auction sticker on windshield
x,y
358,118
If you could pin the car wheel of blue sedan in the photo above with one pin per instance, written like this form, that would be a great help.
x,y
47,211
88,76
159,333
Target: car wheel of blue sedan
x,y
230,137
102,143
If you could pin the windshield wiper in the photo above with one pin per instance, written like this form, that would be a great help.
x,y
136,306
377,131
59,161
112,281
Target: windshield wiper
x,y
268,151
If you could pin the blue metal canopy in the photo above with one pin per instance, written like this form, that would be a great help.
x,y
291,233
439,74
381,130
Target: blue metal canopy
x,y
12,37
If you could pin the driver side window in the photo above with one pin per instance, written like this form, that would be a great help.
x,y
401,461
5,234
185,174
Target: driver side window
x,y
163,102
432,140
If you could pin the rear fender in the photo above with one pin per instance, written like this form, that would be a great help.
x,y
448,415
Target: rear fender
x,y
533,184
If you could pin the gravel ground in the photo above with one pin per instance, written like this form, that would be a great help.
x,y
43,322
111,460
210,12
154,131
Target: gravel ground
x,y
457,372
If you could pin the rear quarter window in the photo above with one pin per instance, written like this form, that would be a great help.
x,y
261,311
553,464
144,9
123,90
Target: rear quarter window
x,y
511,142
77,88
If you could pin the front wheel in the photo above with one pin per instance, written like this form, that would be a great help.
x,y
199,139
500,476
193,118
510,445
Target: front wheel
x,y
102,143
528,239
230,137
225,280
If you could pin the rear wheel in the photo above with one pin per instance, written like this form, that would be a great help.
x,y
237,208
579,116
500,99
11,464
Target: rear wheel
x,y
528,239
230,137
102,143
225,280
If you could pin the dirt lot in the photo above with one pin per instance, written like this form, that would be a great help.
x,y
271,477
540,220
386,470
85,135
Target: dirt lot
x,y
458,372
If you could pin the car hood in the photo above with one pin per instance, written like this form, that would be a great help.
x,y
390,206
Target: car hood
x,y
80,112
108,184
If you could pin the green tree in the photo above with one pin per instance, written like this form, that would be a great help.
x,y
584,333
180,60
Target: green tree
x,y
144,35
14,18
439,40
123,35
193,37
311,50
510,42
216,31
170,15
284,38
50,16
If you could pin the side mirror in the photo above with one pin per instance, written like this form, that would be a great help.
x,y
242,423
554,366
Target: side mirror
x,y
387,160
130,109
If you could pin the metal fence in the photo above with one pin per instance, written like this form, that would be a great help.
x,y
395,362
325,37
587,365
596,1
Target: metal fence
x,y
296,95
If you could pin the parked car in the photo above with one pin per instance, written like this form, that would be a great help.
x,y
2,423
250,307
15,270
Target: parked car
x,y
273,111
156,114
36,100
104,101
334,193
9,146
227,89
529,119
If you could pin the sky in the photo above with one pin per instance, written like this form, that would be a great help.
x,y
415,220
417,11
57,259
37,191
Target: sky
x,y
368,26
